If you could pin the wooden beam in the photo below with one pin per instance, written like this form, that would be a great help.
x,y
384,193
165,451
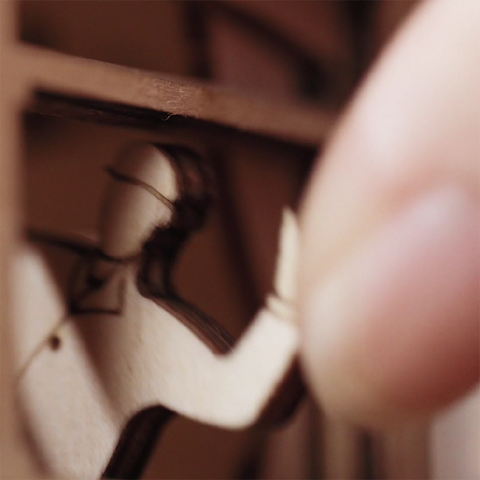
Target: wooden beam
x,y
47,72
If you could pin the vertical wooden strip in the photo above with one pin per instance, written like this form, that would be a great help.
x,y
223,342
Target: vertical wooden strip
x,y
16,459
9,155
7,22
287,451
7,463
404,453
343,450
455,444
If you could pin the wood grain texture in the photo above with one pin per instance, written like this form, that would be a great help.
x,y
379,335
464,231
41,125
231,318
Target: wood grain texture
x,y
41,70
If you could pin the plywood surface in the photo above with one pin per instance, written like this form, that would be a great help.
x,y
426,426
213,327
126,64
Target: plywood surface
x,y
39,69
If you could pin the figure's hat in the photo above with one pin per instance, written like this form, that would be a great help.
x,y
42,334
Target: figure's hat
x,y
172,190
174,173
147,166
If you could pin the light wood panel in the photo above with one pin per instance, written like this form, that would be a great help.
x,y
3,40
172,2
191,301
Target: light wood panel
x,y
15,458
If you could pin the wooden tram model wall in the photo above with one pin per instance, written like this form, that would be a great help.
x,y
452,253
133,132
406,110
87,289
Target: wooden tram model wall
x,y
256,87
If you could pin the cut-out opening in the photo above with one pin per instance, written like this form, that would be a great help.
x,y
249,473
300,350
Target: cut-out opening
x,y
226,267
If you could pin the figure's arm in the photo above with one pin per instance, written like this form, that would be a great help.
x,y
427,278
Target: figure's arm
x,y
263,363
233,390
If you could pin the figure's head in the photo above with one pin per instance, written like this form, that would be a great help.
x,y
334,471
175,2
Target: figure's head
x,y
152,187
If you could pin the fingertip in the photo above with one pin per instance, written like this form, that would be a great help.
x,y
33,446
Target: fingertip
x,y
393,333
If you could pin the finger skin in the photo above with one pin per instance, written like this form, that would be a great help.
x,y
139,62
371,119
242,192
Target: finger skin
x,y
413,128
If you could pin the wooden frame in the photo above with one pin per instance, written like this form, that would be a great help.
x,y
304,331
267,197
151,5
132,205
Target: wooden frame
x,y
51,83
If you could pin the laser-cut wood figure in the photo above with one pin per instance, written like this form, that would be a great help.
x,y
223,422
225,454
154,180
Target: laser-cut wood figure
x,y
98,385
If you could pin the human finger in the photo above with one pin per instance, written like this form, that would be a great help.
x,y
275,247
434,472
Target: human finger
x,y
389,264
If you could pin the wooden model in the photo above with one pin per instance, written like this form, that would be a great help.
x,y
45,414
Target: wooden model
x,y
76,381
127,350
98,350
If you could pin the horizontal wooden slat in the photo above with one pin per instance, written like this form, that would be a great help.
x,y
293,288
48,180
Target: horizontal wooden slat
x,y
42,70
114,114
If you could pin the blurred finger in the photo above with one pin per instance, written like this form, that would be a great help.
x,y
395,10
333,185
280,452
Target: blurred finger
x,y
389,267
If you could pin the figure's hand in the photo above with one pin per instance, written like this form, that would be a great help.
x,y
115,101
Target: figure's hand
x,y
389,252
282,300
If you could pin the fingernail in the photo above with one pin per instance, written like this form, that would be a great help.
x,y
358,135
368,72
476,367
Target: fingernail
x,y
378,336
